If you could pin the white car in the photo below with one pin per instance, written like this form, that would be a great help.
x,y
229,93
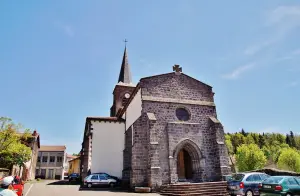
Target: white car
x,y
98,180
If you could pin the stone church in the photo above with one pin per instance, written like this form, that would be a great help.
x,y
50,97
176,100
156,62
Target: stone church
x,y
160,131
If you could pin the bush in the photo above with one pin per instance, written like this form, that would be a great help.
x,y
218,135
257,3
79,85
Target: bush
x,y
289,159
250,157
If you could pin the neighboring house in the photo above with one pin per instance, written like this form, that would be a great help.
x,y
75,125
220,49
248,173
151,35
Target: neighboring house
x,y
74,165
27,171
66,164
50,163
162,130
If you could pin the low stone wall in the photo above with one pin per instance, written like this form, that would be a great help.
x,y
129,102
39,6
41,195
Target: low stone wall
x,y
4,172
277,172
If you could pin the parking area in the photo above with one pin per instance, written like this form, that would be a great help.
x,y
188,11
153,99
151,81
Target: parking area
x,y
52,188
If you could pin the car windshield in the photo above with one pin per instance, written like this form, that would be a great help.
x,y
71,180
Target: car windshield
x,y
273,180
237,177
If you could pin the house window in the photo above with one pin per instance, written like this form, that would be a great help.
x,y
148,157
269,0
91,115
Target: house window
x,y
45,159
39,159
59,159
52,159
182,114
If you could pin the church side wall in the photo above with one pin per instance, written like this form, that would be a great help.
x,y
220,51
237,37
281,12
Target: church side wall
x,y
139,158
127,158
108,145
134,110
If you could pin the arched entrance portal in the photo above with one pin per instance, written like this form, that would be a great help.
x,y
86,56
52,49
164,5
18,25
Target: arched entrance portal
x,y
187,165
184,165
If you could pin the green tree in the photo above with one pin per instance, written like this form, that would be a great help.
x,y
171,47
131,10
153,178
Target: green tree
x,y
289,159
255,137
261,141
237,139
243,133
229,144
297,141
288,140
249,139
250,157
292,139
13,149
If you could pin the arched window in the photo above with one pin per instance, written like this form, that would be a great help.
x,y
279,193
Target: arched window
x,y
182,114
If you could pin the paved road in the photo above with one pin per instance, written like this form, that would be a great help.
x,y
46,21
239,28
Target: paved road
x,y
55,188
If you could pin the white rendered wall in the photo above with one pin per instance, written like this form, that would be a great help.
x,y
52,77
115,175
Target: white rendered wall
x,y
134,110
107,147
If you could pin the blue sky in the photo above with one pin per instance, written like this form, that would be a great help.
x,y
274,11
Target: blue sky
x,y
60,60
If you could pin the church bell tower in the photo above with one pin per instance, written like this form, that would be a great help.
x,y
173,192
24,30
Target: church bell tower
x,y
123,88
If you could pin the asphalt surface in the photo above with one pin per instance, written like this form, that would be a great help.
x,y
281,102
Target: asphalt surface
x,y
53,188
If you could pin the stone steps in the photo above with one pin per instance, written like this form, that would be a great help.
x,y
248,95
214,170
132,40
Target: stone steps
x,y
208,189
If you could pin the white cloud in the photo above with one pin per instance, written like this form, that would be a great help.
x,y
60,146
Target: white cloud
x,y
236,73
291,55
296,52
68,30
282,20
253,49
283,14
293,84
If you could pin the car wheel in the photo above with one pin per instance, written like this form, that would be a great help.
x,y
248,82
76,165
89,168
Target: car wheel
x,y
89,185
249,193
112,185
289,194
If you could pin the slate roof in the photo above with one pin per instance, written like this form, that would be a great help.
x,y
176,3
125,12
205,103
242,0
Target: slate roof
x,y
125,74
103,118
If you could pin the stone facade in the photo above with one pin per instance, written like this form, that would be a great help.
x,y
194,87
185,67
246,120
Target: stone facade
x,y
153,142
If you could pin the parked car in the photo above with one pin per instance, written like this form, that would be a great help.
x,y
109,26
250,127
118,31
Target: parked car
x,y
280,185
110,176
226,177
98,180
74,177
246,183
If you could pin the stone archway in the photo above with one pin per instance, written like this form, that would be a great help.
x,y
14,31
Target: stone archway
x,y
187,157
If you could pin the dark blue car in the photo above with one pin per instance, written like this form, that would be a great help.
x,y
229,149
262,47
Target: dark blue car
x,y
246,183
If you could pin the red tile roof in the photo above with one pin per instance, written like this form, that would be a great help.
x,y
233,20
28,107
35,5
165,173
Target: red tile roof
x,y
53,148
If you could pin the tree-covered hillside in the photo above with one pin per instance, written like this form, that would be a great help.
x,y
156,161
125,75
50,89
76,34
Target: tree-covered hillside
x,y
254,151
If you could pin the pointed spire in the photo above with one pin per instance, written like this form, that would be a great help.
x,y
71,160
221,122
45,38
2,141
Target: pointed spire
x,y
125,74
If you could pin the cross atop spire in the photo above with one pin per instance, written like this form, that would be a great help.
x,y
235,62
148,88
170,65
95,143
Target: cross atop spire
x,y
125,41
125,74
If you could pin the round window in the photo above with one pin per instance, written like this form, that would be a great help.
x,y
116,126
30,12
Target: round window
x,y
182,114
